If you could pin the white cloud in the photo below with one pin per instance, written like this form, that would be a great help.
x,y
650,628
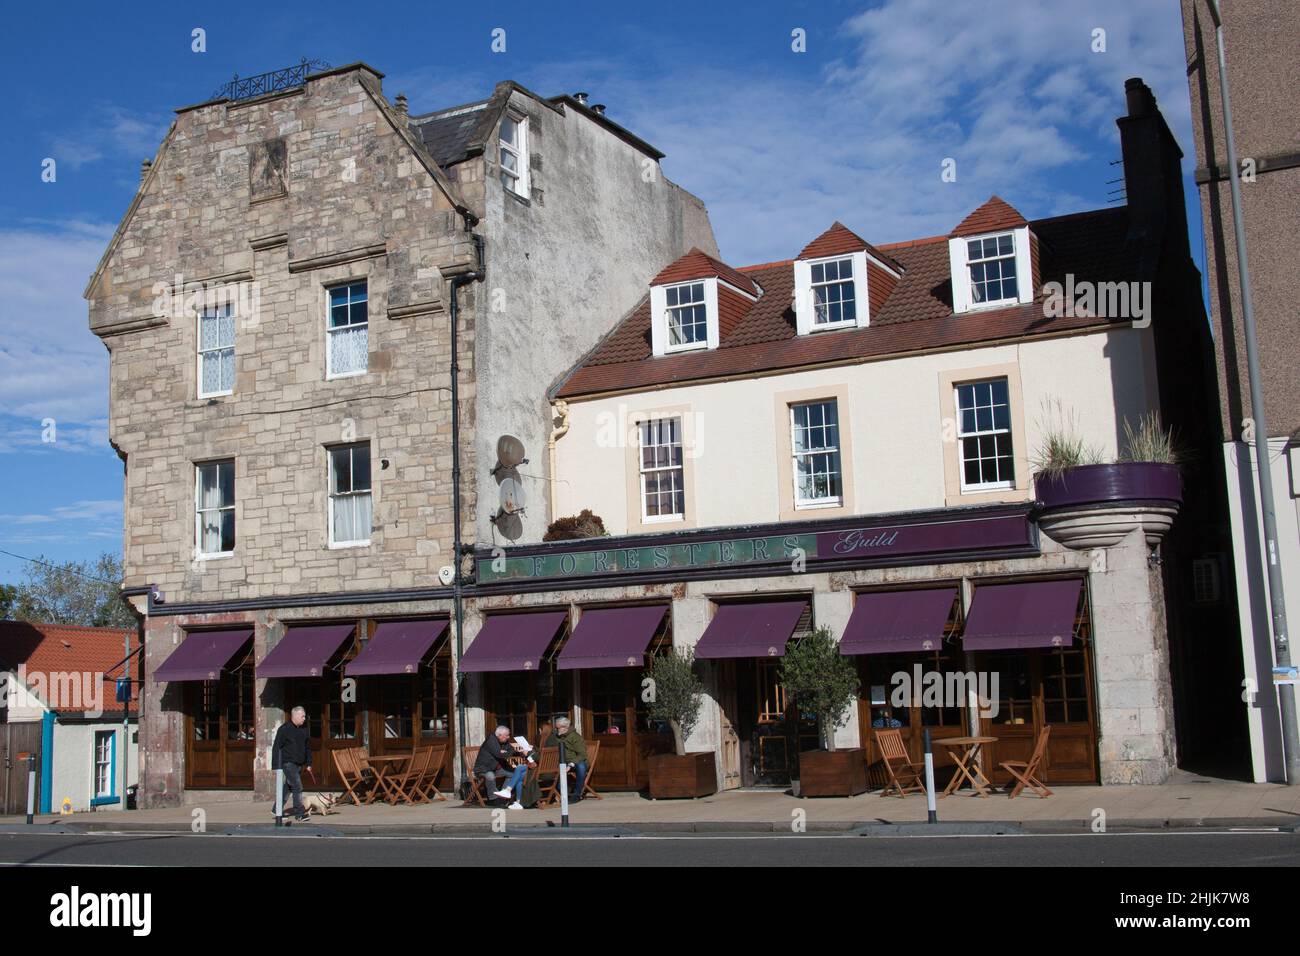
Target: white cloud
x,y
1010,89
86,518
111,131
51,365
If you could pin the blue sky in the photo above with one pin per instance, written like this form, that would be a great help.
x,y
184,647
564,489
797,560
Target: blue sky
x,y
778,143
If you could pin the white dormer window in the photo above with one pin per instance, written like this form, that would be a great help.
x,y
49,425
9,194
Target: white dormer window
x,y
831,293
688,316
990,271
992,264
834,301
684,316
513,159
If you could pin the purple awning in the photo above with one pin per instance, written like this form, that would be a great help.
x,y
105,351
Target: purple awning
x,y
611,637
203,655
1033,614
397,647
304,650
887,622
750,630
512,642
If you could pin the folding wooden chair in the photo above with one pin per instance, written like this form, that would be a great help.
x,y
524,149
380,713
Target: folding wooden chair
x,y
426,785
1026,774
904,776
403,787
593,751
548,768
355,776
469,755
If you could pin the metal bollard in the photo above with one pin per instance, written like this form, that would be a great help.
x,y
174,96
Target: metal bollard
x,y
564,789
932,814
31,787
279,797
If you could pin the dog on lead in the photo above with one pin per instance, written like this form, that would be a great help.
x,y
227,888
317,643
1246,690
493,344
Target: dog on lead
x,y
321,804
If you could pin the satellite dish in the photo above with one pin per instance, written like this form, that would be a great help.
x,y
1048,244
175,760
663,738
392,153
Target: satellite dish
x,y
512,496
510,526
510,451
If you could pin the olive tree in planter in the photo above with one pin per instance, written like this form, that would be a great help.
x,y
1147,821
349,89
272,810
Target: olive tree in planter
x,y
675,694
824,682
1086,502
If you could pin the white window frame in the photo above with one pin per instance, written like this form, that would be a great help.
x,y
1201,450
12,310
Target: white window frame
x,y
659,338
800,502
825,283
1009,431
107,763
331,495
805,308
213,312
702,302
998,256
199,510
959,268
522,184
675,422
330,330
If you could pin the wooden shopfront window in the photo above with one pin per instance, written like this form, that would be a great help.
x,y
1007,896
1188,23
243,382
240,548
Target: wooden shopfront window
x,y
221,728
524,700
943,717
333,722
615,714
413,710
1046,686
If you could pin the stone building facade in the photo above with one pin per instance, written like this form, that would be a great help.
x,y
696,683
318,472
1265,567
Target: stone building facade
x,y
276,303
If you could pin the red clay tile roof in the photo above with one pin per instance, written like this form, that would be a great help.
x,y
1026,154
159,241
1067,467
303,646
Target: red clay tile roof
x,y
995,214
65,648
916,316
839,239
700,265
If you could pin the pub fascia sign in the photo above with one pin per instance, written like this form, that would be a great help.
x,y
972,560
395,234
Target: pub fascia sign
x,y
892,541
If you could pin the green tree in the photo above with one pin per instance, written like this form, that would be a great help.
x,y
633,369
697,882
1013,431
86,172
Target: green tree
x,y
674,693
8,601
75,592
821,680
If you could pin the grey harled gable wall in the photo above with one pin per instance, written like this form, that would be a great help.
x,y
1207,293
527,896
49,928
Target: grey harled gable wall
x,y
562,271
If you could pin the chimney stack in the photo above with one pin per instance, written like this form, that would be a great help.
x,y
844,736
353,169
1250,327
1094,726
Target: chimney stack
x,y
401,107
145,166
1153,185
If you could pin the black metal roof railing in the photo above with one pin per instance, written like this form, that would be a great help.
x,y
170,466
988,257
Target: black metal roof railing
x,y
244,88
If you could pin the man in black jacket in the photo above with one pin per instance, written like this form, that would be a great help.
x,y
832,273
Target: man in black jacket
x,y
291,752
494,761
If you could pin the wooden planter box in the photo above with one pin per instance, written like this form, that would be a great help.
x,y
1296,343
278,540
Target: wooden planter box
x,y
689,775
837,773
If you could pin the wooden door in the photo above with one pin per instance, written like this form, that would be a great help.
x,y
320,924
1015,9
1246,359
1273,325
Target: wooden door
x,y
615,715
18,738
1037,687
731,749
220,730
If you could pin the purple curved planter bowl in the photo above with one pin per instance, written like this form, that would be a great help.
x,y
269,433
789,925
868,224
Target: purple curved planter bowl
x,y
1099,484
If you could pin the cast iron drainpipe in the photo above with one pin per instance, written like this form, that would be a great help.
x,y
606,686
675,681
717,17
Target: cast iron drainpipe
x,y
464,278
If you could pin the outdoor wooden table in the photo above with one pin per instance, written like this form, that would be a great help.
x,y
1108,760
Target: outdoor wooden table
x,y
380,765
965,754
